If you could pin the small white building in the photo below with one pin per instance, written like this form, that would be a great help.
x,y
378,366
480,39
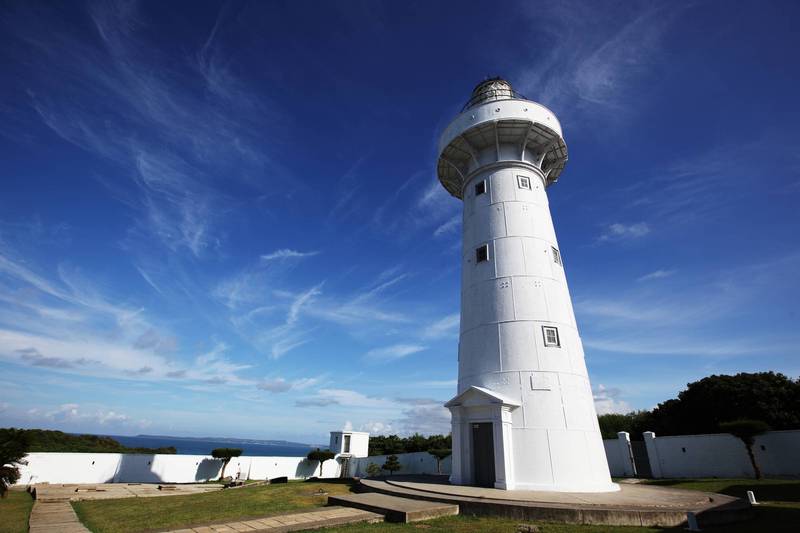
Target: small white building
x,y
350,443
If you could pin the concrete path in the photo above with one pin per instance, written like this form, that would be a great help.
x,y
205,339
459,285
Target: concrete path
x,y
395,509
324,517
48,517
101,491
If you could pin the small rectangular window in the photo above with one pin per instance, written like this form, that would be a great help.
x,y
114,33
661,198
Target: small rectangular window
x,y
524,182
550,336
480,188
556,255
482,253
347,444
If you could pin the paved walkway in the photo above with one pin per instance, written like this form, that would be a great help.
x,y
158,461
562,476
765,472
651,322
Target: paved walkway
x,y
101,491
47,517
324,517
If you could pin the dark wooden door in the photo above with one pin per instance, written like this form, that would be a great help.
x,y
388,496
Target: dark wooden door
x,y
483,454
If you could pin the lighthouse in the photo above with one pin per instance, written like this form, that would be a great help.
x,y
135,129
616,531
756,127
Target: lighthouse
x,y
524,416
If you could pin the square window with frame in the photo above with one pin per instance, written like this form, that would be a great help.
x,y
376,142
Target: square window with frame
x,y
556,255
524,182
482,253
480,188
550,334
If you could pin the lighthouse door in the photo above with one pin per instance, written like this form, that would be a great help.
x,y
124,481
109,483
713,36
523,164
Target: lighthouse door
x,y
483,454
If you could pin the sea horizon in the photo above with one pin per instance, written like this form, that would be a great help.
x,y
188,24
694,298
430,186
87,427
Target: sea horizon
x,y
203,446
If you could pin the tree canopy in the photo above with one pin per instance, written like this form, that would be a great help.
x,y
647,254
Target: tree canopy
x,y
321,456
769,397
391,444
14,445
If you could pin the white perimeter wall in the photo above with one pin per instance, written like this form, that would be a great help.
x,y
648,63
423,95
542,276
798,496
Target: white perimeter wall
x,y
158,468
723,455
411,463
718,455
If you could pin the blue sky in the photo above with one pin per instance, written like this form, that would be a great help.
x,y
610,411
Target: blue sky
x,y
223,219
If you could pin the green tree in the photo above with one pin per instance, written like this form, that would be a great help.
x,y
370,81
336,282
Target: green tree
x,y
321,456
767,396
373,470
13,448
635,423
440,454
392,465
747,431
226,454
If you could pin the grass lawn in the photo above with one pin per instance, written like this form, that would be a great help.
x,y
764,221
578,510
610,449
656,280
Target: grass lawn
x,y
779,512
144,514
15,509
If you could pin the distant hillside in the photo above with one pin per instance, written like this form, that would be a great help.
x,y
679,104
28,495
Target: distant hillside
x,y
43,440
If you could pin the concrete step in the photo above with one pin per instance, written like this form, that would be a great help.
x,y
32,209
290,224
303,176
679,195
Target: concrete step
x,y
394,508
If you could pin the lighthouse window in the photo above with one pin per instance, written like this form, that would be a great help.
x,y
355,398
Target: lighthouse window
x,y
524,182
556,255
480,188
550,336
482,254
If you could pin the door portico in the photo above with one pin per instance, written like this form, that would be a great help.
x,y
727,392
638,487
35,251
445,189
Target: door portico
x,y
475,406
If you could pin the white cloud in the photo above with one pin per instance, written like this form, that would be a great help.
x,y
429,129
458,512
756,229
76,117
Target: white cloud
x,y
620,232
445,327
275,385
286,253
396,351
658,274
449,226
607,400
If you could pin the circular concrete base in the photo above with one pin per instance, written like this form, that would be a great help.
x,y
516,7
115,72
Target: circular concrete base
x,y
632,505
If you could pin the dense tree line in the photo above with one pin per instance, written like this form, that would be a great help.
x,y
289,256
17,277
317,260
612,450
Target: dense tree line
x,y
392,444
43,440
705,405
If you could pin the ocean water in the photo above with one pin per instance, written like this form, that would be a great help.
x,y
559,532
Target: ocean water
x,y
204,447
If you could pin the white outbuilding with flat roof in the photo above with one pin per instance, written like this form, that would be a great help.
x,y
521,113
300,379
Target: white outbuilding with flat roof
x,y
524,416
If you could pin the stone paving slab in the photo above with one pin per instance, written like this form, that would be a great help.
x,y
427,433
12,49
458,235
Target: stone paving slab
x,y
103,491
325,517
394,508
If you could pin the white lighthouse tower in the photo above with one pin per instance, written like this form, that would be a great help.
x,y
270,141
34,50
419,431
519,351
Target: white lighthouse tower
x,y
524,417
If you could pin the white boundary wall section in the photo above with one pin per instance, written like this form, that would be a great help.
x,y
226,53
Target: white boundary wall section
x,y
162,468
723,455
410,463
719,455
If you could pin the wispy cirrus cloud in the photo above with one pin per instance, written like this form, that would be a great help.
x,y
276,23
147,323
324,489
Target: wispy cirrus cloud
x,y
286,253
595,56
444,327
624,232
121,102
395,351
656,274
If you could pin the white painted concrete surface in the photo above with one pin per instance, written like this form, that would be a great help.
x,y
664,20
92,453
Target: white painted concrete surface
x,y
158,468
411,463
720,455
353,443
499,157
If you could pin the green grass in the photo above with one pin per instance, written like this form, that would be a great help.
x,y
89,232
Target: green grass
x,y
779,512
129,515
15,509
